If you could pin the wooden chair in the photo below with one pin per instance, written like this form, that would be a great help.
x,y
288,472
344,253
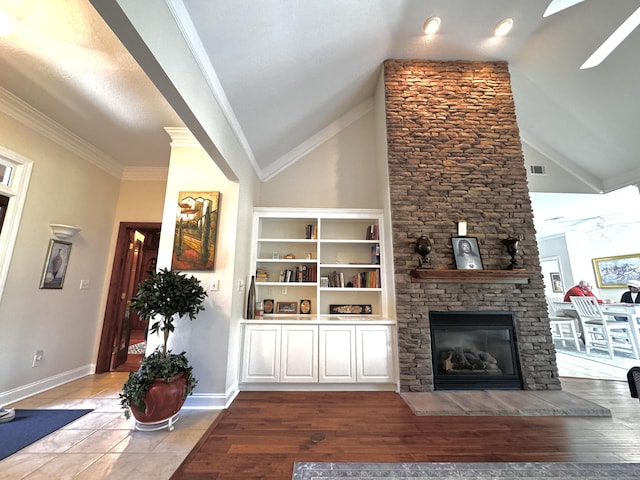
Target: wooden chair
x,y
602,331
563,328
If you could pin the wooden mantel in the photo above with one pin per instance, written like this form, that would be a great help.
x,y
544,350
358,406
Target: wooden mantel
x,y
472,276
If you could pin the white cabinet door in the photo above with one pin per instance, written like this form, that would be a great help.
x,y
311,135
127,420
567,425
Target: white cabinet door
x,y
261,353
374,344
337,354
299,361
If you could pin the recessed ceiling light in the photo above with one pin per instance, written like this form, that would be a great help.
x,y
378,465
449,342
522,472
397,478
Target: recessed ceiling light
x,y
503,27
432,25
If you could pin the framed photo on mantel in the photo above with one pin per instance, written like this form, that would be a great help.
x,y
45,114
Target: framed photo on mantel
x,y
466,253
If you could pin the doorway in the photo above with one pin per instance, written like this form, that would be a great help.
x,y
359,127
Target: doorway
x,y
134,259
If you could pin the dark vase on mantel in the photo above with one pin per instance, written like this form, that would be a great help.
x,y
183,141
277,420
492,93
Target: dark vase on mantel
x,y
512,249
423,248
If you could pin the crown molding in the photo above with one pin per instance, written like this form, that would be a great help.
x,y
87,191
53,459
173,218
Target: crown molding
x,y
139,174
37,121
182,137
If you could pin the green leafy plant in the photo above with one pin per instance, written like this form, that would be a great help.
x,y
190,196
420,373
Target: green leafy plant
x,y
155,366
162,298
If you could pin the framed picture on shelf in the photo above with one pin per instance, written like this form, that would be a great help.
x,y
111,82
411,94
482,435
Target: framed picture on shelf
x,y
556,282
305,306
466,253
350,309
286,307
55,264
614,272
268,305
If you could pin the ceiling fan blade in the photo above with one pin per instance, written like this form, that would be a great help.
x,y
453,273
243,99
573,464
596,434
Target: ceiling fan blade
x,y
557,5
613,41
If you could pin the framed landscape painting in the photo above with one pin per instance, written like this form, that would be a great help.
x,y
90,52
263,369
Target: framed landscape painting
x,y
194,244
614,272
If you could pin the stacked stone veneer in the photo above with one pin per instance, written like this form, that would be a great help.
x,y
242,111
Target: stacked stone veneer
x,y
455,154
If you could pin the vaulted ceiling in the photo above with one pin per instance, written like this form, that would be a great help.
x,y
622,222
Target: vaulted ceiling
x,y
289,73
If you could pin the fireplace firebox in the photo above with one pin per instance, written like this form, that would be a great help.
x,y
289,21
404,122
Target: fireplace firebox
x,y
474,351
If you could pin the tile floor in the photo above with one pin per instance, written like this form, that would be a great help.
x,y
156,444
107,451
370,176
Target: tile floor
x,y
102,444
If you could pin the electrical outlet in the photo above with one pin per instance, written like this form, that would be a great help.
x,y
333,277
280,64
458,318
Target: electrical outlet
x,y
37,358
284,290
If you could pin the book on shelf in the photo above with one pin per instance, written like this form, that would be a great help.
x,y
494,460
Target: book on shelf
x,y
336,279
375,254
373,232
301,274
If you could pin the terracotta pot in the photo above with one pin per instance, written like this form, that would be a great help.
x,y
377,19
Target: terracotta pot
x,y
163,400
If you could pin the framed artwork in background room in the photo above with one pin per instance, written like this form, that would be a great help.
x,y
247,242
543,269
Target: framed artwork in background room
x,y
614,272
466,253
556,282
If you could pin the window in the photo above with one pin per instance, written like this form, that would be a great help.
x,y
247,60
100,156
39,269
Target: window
x,y
15,172
5,174
4,203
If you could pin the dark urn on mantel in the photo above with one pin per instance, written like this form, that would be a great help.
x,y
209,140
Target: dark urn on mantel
x,y
512,249
423,248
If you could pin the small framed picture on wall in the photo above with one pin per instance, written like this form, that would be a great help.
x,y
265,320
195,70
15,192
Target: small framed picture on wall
x,y
55,264
556,282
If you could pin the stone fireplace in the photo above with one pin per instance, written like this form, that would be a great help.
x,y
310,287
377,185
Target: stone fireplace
x,y
454,154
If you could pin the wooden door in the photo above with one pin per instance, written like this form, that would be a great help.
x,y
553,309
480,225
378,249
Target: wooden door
x,y
132,273
114,311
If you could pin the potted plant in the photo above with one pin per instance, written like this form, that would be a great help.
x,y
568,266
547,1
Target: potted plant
x,y
157,391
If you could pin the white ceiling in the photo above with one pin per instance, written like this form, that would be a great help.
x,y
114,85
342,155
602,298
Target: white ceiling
x,y
288,73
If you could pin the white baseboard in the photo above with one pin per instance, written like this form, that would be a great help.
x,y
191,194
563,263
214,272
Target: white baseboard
x,y
209,401
198,401
44,384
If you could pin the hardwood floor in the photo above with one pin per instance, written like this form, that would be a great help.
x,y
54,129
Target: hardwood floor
x,y
262,434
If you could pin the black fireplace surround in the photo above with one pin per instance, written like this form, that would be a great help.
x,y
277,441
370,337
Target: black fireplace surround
x,y
475,351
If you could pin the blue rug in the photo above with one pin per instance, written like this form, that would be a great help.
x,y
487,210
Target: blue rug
x,y
457,471
32,425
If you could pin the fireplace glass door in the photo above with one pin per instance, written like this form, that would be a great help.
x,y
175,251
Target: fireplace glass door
x,y
474,351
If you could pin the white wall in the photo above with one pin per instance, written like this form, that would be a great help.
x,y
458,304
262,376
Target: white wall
x,y
140,201
205,338
340,173
556,178
62,322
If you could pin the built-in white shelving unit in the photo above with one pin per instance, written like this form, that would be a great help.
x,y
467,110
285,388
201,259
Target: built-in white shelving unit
x,y
321,274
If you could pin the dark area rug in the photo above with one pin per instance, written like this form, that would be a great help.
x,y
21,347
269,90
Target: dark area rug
x,y
479,471
32,425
